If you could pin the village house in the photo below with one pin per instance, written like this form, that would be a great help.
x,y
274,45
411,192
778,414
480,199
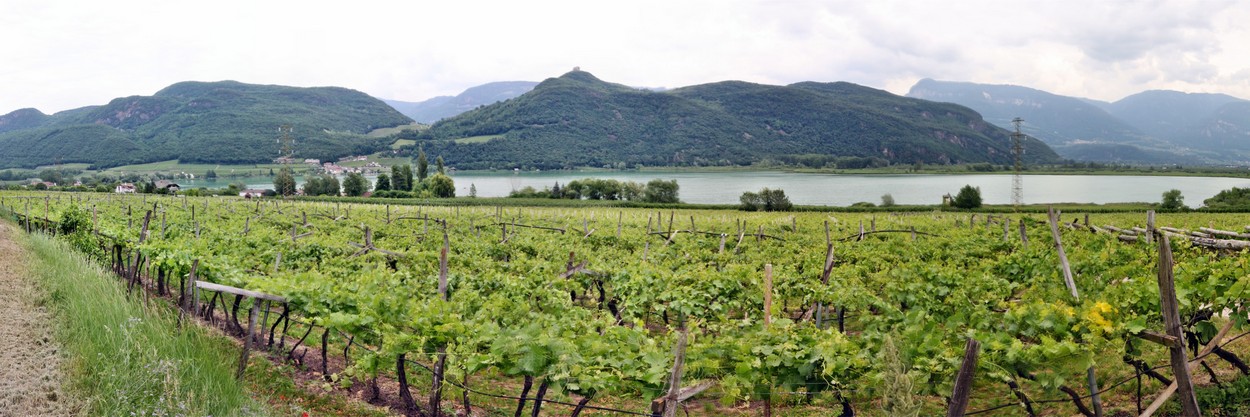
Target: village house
x,y
332,168
125,188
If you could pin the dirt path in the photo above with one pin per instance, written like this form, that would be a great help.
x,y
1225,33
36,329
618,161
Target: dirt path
x,y
30,363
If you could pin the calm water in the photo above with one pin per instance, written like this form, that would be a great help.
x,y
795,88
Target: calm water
x,y
842,190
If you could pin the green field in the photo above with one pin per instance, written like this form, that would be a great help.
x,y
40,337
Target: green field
x,y
478,139
387,131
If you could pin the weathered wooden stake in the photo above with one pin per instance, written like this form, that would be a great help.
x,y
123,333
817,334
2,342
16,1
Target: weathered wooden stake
x,y
1024,237
828,240
247,341
1150,226
1067,278
768,294
1172,326
963,380
1063,257
674,381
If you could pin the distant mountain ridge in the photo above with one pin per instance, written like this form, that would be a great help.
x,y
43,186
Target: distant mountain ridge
x,y
1148,127
579,120
437,108
201,122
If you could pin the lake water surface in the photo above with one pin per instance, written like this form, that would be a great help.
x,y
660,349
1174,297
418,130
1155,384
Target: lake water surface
x,y
843,189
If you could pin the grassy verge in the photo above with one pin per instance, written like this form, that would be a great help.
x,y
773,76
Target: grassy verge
x,y
129,358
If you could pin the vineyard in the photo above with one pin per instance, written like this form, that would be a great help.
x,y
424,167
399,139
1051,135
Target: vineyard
x,y
608,311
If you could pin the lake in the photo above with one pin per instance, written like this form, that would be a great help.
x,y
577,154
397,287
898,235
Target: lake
x,y
844,189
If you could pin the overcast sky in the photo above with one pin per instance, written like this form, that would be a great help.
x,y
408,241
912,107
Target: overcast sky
x,y
58,55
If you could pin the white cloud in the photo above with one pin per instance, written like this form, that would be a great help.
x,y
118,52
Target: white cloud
x,y
57,55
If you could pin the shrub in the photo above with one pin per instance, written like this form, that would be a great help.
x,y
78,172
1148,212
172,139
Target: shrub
x,y
969,197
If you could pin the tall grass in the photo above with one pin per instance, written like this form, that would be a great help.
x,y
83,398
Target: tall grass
x,y
130,359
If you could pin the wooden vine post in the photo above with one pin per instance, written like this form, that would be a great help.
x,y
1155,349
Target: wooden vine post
x,y
1150,226
1024,237
768,294
670,401
440,364
1063,256
824,279
1172,326
1091,379
187,299
135,267
963,380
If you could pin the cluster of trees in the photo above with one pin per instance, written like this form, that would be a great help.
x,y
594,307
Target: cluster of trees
x,y
765,200
654,191
1230,199
11,175
55,175
402,183
324,184
354,185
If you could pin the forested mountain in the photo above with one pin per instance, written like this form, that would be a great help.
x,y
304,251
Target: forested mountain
x,y
1212,122
1052,118
22,119
579,120
437,108
1149,127
202,122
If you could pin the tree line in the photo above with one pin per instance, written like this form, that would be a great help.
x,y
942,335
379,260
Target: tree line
x,y
654,191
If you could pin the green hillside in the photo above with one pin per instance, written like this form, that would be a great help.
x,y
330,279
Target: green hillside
x,y
200,122
579,120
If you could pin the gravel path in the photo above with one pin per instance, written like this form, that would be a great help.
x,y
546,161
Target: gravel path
x,y
30,365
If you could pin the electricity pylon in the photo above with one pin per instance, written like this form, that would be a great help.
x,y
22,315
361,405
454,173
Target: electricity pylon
x,y
288,144
1017,150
